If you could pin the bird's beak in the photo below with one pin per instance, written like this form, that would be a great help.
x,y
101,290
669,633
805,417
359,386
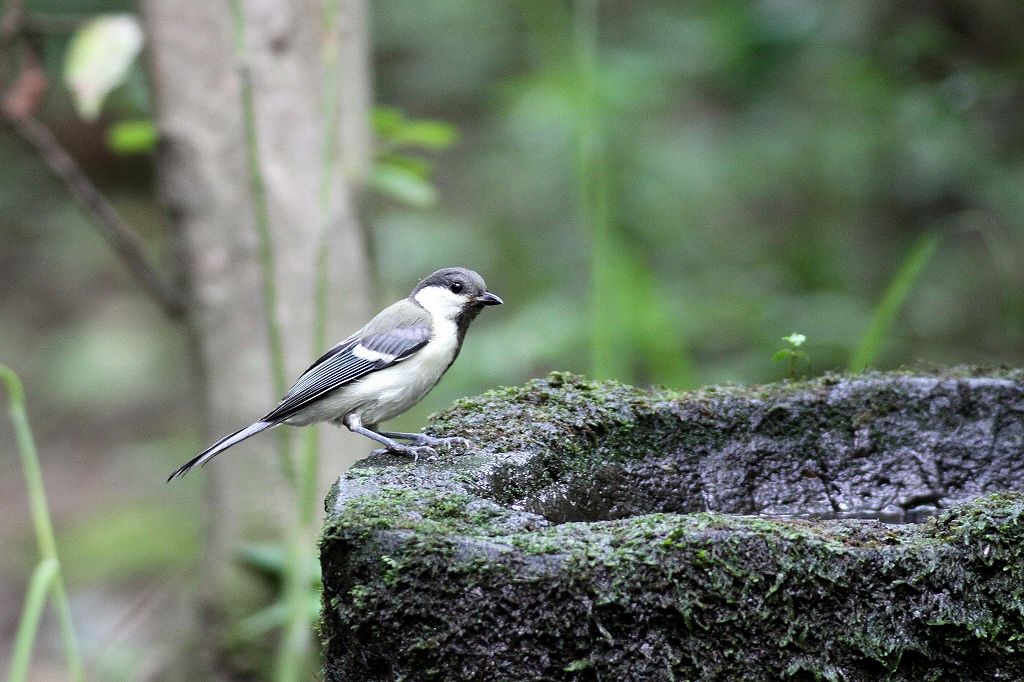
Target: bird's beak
x,y
487,298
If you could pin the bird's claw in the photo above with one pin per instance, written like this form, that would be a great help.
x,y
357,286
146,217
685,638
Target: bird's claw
x,y
449,443
425,445
413,451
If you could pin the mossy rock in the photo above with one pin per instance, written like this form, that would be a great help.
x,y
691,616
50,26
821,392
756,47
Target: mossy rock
x,y
601,532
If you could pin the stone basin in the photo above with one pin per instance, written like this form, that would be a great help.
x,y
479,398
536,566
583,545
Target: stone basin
x,y
601,532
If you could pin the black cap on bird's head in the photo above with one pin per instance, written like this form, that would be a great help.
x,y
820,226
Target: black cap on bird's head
x,y
463,283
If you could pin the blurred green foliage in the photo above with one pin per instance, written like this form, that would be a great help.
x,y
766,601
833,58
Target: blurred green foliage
x,y
98,59
47,582
396,173
903,282
132,137
770,166
763,166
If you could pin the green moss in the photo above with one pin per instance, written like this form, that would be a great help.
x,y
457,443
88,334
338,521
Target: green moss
x,y
474,567
758,577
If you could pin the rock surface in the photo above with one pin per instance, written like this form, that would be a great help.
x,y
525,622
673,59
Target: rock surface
x,y
601,532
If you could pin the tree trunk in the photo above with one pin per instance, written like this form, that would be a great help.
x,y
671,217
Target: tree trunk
x,y
198,82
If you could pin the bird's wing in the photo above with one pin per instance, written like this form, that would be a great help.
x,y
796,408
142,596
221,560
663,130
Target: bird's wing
x,y
351,359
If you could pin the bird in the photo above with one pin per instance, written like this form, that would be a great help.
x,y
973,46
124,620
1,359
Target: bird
x,y
382,370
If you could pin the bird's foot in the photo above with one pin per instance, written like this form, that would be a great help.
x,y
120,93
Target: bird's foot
x,y
419,439
422,445
413,451
450,443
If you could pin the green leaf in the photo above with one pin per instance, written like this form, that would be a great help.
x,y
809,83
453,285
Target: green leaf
x,y
387,121
782,354
260,623
98,59
418,167
271,618
268,559
395,130
436,135
132,137
403,184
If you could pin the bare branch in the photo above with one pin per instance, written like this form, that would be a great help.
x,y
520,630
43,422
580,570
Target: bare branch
x,y
119,235
18,105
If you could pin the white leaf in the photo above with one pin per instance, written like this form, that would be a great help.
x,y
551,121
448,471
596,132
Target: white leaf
x,y
98,59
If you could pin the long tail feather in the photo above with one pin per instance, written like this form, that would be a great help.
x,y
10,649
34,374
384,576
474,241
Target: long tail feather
x,y
220,446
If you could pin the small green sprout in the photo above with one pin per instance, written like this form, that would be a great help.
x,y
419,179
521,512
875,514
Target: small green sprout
x,y
792,353
795,339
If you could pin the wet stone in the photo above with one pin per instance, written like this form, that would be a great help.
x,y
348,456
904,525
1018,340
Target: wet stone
x,y
848,528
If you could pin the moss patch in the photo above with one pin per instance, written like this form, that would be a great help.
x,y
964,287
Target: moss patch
x,y
575,543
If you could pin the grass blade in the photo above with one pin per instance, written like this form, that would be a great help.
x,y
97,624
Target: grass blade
x,y
899,288
28,628
42,523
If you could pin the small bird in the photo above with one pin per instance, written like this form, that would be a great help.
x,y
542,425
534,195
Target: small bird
x,y
382,370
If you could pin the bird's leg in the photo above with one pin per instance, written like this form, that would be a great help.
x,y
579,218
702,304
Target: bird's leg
x,y
423,439
355,425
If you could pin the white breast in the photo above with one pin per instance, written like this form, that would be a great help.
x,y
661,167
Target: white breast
x,y
388,393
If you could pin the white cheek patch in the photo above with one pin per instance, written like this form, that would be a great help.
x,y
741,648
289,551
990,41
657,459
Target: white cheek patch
x,y
364,353
440,302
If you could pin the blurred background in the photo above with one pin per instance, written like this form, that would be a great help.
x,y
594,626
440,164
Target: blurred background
x,y
764,167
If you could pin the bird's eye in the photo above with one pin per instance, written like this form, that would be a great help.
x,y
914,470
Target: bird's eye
x,y
456,287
